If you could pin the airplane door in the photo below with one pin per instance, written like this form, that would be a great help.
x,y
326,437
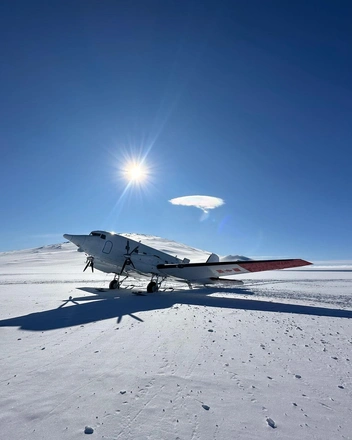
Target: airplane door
x,y
107,247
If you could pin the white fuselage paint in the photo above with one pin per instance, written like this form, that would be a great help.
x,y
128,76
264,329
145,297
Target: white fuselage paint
x,y
111,250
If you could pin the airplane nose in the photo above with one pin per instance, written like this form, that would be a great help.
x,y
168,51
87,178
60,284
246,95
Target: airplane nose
x,y
78,240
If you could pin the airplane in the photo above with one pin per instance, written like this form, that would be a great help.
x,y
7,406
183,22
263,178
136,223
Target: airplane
x,y
114,253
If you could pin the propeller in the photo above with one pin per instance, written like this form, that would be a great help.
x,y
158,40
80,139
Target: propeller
x,y
89,263
128,261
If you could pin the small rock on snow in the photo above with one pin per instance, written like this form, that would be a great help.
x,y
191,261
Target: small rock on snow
x,y
88,430
271,422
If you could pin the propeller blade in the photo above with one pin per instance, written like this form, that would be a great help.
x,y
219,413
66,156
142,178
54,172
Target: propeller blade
x,y
134,250
89,263
123,266
127,262
128,254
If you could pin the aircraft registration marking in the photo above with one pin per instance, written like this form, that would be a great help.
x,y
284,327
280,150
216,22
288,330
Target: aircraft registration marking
x,y
235,269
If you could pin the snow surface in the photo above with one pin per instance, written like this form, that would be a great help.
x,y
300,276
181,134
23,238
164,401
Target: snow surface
x,y
268,360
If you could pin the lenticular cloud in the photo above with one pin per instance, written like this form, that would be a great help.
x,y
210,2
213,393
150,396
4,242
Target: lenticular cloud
x,y
205,203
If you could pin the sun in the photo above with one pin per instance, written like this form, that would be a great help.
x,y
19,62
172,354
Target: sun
x,y
135,172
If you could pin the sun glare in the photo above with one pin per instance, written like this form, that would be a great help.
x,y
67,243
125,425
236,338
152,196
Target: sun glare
x,y
135,172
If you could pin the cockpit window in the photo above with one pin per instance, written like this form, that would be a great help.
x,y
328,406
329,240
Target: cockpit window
x,y
98,234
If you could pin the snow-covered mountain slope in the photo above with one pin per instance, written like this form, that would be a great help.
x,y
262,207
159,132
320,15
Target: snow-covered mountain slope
x,y
170,247
270,359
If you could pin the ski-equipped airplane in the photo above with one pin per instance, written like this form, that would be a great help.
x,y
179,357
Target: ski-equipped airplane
x,y
120,255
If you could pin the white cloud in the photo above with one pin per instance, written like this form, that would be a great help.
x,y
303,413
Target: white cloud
x,y
205,203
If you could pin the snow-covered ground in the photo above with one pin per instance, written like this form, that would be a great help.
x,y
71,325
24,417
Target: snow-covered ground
x,y
269,359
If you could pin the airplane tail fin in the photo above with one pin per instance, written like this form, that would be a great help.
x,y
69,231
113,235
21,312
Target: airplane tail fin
x,y
213,258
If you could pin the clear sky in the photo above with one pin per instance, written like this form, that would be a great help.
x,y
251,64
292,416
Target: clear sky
x,y
247,101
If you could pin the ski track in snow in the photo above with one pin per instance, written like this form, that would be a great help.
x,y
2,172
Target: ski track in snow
x,y
269,359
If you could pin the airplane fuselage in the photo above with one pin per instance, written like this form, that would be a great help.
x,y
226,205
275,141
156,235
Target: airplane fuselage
x,y
111,250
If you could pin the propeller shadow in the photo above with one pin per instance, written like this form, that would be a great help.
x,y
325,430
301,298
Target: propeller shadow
x,y
119,303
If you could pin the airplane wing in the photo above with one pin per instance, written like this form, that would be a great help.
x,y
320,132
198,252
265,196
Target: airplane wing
x,y
200,272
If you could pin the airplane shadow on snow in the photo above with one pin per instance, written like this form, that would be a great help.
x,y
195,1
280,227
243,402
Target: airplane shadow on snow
x,y
107,304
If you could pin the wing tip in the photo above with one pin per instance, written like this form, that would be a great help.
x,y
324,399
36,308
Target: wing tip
x,y
304,262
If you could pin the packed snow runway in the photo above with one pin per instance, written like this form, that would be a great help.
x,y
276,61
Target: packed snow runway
x,y
269,359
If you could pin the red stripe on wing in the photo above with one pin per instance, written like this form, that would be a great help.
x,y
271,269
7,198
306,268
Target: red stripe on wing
x,y
258,266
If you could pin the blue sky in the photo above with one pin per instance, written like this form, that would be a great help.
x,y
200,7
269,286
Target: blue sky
x,y
248,101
